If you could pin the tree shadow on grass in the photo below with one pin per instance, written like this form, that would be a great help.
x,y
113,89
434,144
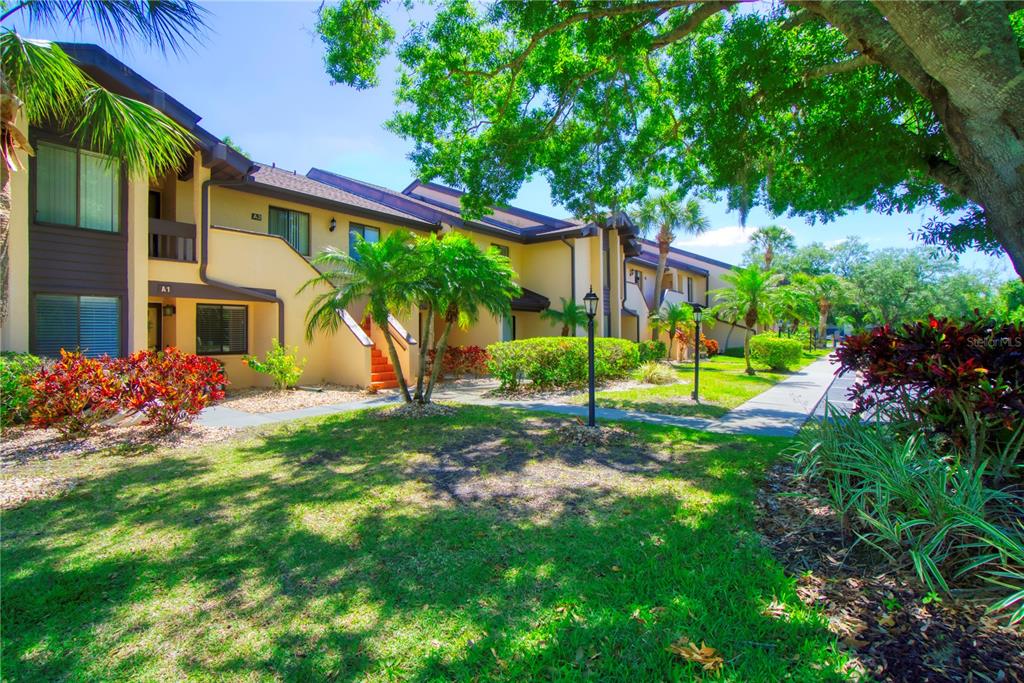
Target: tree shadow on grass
x,y
355,547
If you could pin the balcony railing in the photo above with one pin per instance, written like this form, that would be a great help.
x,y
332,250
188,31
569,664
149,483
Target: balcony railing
x,y
172,240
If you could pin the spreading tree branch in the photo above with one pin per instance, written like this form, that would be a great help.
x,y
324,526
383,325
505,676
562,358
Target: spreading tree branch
x,y
858,62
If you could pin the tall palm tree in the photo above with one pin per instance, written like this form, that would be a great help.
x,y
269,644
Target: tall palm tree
x,y
387,273
571,317
38,81
472,280
666,217
771,240
671,318
828,291
748,298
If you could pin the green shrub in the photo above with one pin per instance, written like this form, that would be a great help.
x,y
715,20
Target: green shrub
x,y
652,350
280,364
778,353
560,361
897,494
653,372
733,352
15,392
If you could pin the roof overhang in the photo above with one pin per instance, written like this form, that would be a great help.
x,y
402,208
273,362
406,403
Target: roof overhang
x,y
224,163
530,301
252,186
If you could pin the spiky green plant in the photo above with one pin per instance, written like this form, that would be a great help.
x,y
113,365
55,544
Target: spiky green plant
x,y
671,318
40,83
666,217
748,300
387,274
571,317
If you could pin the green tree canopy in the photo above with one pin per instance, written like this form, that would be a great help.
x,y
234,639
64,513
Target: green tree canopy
x,y
809,108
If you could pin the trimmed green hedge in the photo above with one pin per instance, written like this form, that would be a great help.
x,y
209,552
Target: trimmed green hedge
x,y
651,350
778,353
15,369
560,361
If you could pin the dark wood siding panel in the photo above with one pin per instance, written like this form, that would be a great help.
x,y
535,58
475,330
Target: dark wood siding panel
x,y
73,260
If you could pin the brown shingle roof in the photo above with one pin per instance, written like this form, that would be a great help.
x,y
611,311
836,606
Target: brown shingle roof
x,y
280,179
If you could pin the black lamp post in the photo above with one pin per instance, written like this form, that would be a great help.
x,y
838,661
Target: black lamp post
x,y
590,304
698,313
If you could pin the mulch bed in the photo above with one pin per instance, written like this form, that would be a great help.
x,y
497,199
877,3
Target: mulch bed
x,y
414,410
42,450
877,612
262,400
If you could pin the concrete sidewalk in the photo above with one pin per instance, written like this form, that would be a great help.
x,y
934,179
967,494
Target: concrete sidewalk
x,y
783,408
780,411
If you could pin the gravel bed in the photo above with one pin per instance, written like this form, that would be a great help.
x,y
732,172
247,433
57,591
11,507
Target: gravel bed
x,y
261,400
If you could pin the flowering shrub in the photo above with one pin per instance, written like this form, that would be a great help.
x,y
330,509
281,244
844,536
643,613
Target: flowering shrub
x,y
16,369
74,394
168,387
280,364
710,346
652,350
961,383
462,360
778,353
560,361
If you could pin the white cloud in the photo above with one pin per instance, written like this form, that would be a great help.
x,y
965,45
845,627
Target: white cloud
x,y
729,236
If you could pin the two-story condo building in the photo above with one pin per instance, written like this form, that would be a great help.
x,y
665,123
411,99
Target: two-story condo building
x,y
211,258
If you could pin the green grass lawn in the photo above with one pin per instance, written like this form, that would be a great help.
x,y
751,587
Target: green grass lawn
x,y
478,546
724,385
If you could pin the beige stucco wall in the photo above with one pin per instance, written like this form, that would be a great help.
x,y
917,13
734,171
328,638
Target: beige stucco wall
x,y
138,262
14,330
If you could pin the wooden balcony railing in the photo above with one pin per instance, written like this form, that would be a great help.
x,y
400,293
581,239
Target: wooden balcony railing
x,y
172,240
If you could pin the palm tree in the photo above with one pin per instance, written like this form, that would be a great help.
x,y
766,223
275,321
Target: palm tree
x,y
792,303
387,273
828,291
571,317
771,240
666,217
40,82
748,298
671,318
471,280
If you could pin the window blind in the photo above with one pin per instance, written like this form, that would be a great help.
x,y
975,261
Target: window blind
x,y
77,188
293,226
90,324
222,329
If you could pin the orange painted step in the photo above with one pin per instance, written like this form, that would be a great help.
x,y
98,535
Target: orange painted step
x,y
381,366
383,377
393,384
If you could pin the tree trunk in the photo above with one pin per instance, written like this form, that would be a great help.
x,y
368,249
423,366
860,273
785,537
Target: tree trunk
x,y
442,346
963,59
822,321
424,353
749,320
565,330
5,237
393,355
659,277
746,351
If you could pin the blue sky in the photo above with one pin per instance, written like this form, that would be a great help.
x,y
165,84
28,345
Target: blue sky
x,y
259,78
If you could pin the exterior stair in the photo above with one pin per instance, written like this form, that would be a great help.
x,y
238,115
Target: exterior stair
x,y
382,373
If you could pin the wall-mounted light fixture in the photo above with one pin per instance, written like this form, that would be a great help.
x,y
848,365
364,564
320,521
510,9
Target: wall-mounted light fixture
x,y
334,224
169,310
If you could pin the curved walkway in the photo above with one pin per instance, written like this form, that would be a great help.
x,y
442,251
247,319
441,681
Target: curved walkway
x,y
779,411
